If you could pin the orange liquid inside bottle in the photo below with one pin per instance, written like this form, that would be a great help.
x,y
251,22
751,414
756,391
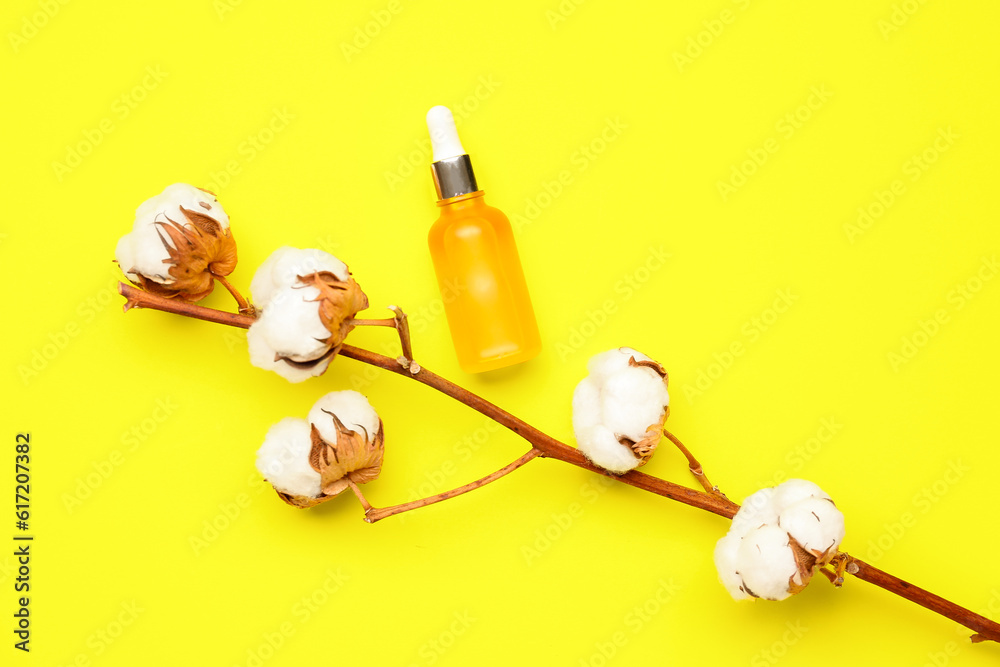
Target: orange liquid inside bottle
x,y
482,284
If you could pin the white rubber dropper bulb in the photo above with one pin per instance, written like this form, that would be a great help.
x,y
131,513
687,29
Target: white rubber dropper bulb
x,y
444,134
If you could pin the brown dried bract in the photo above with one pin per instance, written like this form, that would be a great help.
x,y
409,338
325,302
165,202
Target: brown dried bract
x,y
643,449
339,301
302,502
649,363
805,563
198,249
355,456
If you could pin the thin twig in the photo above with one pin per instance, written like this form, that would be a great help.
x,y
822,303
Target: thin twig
x,y
385,322
373,514
402,327
361,497
245,307
693,465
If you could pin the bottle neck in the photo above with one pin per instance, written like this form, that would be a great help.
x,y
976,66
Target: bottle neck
x,y
453,177
461,203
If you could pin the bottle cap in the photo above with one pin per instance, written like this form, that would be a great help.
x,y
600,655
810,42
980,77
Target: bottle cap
x,y
452,168
444,134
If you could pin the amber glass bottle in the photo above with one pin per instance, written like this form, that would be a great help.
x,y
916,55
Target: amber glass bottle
x,y
478,270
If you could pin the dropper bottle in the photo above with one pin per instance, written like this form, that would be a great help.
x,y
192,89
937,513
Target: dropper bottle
x,y
478,270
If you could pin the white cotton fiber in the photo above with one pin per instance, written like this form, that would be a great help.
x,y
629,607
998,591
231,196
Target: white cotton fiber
x,y
283,267
142,251
262,356
283,459
766,563
617,400
757,557
351,408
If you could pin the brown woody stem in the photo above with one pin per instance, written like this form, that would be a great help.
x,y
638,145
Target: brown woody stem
x,y
402,327
693,465
549,447
244,306
985,629
137,298
385,322
373,514
361,497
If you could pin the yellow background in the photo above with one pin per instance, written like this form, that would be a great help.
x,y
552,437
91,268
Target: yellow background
x,y
144,426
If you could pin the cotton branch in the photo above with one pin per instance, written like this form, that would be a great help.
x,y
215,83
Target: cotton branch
x,y
546,446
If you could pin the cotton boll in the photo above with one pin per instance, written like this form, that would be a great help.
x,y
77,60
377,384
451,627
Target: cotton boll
x,y
307,301
605,364
291,325
348,441
599,444
168,204
632,401
179,243
784,533
262,355
766,563
351,408
283,267
757,509
628,403
304,261
726,550
792,491
283,459
586,404
816,524
141,253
